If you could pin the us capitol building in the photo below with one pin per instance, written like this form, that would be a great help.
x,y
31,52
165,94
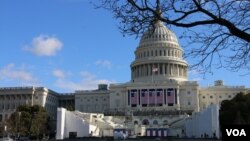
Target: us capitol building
x,y
159,93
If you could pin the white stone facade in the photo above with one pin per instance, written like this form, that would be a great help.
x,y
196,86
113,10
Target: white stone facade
x,y
12,97
92,101
186,96
214,95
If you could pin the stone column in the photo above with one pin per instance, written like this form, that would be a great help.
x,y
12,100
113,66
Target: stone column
x,y
166,68
137,71
147,69
178,70
139,68
144,70
134,72
171,69
158,67
163,69
185,71
182,71
178,98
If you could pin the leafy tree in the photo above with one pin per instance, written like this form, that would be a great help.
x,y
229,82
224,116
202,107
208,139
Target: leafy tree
x,y
218,26
70,108
235,111
28,121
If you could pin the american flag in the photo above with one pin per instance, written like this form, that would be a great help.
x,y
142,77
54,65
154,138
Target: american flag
x,y
155,69
152,96
159,99
134,97
170,96
144,96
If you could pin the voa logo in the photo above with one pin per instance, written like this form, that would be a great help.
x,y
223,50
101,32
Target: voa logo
x,y
236,132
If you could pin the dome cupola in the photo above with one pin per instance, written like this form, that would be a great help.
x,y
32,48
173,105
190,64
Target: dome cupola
x,y
158,56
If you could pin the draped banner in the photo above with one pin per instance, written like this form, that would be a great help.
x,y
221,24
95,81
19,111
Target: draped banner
x,y
159,99
144,97
134,96
170,96
152,97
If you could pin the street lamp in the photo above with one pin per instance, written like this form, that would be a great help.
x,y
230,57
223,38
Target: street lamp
x,y
5,128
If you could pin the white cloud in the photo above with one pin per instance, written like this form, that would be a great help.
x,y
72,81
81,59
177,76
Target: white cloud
x,y
104,63
43,45
10,72
59,73
88,81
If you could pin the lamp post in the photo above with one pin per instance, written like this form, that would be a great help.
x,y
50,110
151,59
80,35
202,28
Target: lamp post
x,y
5,128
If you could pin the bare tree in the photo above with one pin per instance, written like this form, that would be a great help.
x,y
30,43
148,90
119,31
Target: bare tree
x,y
220,27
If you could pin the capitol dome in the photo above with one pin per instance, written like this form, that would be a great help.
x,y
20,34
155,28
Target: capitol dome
x,y
158,57
159,33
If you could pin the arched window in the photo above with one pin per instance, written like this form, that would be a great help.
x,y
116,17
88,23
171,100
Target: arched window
x,y
145,122
155,122
135,122
165,122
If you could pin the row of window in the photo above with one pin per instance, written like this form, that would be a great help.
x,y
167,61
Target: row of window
x,y
147,122
18,97
90,108
164,52
161,36
51,108
147,70
151,94
52,98
11,106
93,99
211,97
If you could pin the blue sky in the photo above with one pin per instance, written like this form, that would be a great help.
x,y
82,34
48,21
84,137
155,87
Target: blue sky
x,y
68,45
